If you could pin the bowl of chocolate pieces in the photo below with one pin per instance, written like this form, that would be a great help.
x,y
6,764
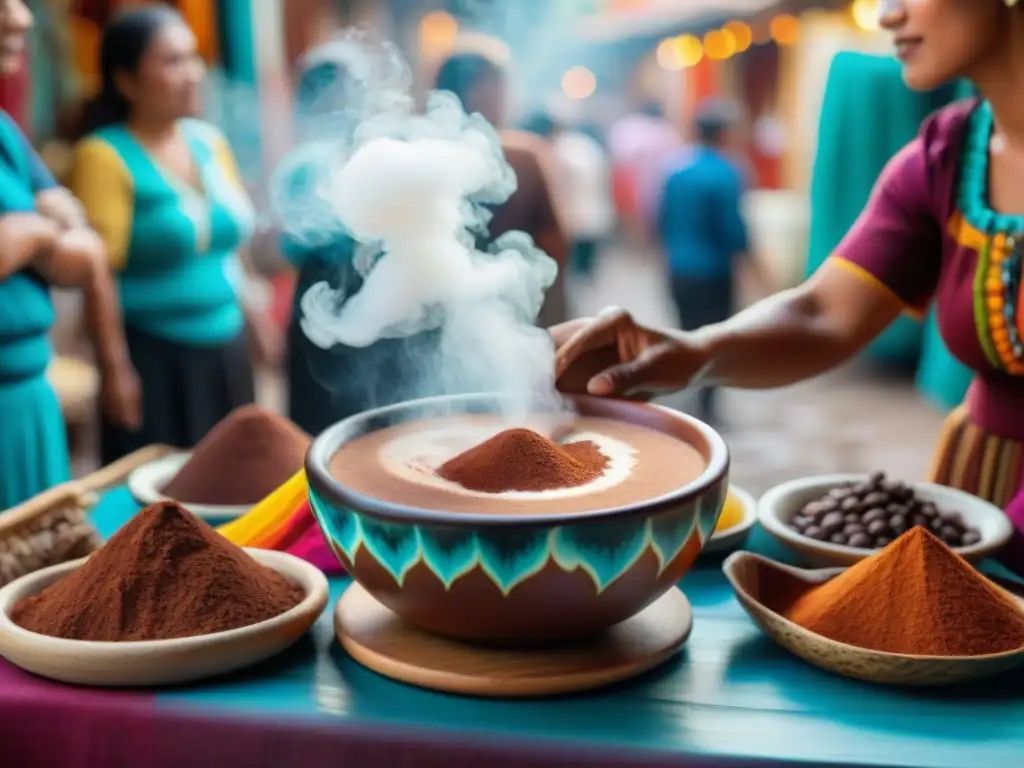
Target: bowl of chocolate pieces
x,y
833,520
475,523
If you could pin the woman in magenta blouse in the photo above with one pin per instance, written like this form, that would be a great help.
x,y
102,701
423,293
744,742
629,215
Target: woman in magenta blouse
x,y
945,224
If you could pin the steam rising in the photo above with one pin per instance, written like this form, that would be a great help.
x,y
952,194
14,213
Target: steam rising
x,y
412,189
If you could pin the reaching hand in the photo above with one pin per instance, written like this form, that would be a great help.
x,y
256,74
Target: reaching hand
x,y
612,356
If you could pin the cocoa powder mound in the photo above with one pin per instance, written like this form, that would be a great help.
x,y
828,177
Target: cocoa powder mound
x,y
165,575
248,455
522,460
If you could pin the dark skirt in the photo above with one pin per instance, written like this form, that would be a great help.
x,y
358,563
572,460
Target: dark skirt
x,y
186,390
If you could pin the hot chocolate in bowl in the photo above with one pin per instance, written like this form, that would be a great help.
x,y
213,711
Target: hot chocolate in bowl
x,y
518,568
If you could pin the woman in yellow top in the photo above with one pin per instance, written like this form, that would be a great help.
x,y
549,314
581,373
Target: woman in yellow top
x,y
163,191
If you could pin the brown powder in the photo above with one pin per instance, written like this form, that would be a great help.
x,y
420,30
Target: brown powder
x,y
248,455
522,460
165,575
916,596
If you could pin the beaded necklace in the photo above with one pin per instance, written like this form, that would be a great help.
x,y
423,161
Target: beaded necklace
x,y
997,281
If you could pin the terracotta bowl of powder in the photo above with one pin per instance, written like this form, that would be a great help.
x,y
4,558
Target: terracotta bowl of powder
x,y
447,516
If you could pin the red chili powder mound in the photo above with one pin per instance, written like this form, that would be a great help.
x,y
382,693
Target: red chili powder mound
x,y
522,460
249,454
165,575
916,596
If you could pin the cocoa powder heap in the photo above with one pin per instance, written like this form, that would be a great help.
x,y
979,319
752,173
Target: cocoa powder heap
x,y
248,455
165,575
522,460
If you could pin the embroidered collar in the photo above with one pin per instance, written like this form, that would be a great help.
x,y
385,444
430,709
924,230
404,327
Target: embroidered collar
x,y
973,194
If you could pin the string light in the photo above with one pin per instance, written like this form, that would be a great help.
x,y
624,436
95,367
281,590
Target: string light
x,y
579,83
667,55
785,29
689,50
719,44
681,52
761,34
865,14
742,33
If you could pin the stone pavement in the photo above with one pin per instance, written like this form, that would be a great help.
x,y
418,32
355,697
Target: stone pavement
x,y
853,420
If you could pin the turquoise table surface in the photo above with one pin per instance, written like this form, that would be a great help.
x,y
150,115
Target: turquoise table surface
x,y
731,694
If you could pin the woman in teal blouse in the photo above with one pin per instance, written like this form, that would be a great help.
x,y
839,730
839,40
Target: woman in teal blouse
x,y
43,242
163,191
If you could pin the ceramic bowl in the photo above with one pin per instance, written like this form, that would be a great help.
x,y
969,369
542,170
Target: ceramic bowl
x,y
778,506
158,662
518,578
759,582
735,536
146,486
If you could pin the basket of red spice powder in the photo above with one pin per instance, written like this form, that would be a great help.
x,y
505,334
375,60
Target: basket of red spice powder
x,y
166,600
915,613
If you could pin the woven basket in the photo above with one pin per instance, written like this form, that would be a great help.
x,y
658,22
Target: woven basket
x,y
53,527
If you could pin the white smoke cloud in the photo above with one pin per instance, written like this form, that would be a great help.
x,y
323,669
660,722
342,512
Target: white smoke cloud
x,y
412,188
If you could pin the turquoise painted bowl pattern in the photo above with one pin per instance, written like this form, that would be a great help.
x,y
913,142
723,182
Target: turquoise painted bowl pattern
x,y
518,578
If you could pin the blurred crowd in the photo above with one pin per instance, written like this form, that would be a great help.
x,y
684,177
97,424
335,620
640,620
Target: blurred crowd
x,y
181,318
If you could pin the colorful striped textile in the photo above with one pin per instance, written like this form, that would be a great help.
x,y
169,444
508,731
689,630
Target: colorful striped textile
x,y
284,522
977,461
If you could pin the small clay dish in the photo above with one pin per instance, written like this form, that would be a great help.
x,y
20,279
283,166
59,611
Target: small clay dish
x,y
779,505
518,578
736,535
761,585
152,663
146,486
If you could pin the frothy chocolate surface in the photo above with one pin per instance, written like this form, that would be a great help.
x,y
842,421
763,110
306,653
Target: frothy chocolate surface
x,y
399,465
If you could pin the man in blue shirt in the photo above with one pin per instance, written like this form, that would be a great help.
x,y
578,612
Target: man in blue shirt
x,y
700,225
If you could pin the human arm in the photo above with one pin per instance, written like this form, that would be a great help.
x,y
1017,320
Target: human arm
x,y
23,236
101,181
52,200
265,337
888,262
103,184
531,161
78,260
58,204
549,228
